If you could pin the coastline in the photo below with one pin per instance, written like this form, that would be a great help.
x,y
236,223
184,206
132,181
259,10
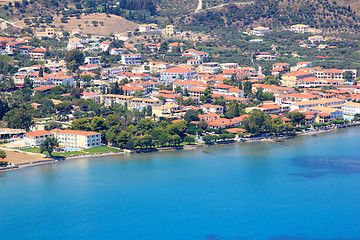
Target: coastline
x,y
273,139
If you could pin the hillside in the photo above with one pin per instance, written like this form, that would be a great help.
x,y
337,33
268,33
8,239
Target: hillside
x,y
240,15
275,14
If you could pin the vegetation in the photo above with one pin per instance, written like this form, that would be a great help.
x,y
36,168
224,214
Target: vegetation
x,y
49,145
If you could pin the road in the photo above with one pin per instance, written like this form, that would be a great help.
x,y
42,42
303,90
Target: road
x,y
199,7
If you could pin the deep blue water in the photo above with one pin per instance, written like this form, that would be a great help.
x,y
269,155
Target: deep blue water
x,y
307,188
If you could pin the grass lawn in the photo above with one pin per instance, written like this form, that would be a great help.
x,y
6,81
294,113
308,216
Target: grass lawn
x,y
103,149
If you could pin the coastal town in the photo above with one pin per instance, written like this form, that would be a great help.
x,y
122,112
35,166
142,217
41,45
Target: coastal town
x,y
67,94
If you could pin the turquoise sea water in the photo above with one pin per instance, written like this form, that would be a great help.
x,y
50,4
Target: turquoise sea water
x,y
307,188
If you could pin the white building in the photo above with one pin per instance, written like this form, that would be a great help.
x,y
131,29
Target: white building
x,y
77,139
351,108
36,138
176,73
260,31
299,28
131,59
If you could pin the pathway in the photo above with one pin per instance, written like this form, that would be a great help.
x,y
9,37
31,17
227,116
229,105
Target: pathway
x,y
199,7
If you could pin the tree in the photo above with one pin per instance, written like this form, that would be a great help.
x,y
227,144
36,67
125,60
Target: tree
x,y
97,124
41,72
206,98
148,110
114,88
4,108
52,125
49,145
19,118
261,96
177,128
81,124
256,122
3,154
296,117
191,115
348,75
63,107
163,47
247,87
233,110
74,58
189,139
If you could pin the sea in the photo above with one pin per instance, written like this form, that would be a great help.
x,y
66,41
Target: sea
x,y
305,188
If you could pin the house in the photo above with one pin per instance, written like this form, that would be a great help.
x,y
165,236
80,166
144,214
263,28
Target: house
x,y
44,89
131,90
176,73
334,73
199,55
295,97
131,59
278,68
62,80
132,76
89,67
256,40
333,112
91,95
223,123
299,28
25,50
265,56
75,43
104,46
290,79
174,45
92,60
113,71
109,99
209,116
14,45
116,51
149,28
276,90
314,39
152,46
77,138
36,138
351,108
148,86
325,102
196,92
284,66
170,30
37,53
209,108
268,108
185,84
166,110
157,67
193,62
260,31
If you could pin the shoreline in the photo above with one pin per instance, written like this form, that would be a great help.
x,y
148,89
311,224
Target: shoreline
x,y
274,139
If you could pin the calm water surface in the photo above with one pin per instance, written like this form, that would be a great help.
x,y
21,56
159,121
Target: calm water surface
x,y
307,188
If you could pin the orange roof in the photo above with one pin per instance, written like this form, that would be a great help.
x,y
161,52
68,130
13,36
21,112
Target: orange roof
x,y
77,132
44,88
178,70
235,130
37,133
296,74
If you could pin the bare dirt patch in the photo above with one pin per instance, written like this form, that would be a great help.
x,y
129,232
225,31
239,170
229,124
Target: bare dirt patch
x,y
105,25
18,158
